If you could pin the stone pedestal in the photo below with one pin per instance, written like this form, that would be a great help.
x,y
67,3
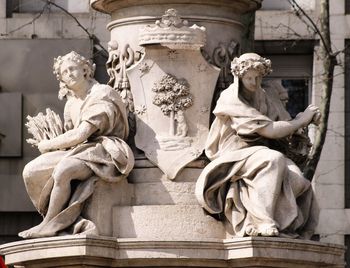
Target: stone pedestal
x,y
99,208
150,206
93,251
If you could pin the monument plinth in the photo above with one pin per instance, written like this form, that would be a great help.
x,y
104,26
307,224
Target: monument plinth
x,y
93,251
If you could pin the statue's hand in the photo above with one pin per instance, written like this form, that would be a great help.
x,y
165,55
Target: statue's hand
x,y
308,115
317,118
44,146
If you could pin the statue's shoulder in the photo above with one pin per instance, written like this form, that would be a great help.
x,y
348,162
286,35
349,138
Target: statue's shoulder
x,y
226,96
103,90
228,91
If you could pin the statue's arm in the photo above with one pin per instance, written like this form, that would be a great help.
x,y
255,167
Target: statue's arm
x,y
281,129
68,124
68,139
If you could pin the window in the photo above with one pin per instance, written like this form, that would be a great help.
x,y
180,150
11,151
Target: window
x,y
298,93
285,4
347,6
292,63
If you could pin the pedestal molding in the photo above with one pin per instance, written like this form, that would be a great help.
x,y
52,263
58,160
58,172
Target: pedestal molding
x,y
110,6
238,252
143,162
151,19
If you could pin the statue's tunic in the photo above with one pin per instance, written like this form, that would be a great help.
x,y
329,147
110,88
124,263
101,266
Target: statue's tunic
x,y
248,181
105,153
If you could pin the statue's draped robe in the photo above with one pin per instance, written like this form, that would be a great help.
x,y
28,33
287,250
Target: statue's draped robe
x,y
239,173
105,153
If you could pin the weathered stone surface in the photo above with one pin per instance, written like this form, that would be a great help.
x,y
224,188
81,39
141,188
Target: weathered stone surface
x,y
93,251
165,222
150,173
99,208
165,193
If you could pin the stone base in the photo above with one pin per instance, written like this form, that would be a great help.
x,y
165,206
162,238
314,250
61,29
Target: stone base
x,y
166,222
94,251
99,208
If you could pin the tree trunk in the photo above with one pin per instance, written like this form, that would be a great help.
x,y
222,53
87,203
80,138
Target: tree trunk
x,y
328,61
172,124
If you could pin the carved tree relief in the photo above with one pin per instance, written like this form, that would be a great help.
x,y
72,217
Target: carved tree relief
x,y
173,97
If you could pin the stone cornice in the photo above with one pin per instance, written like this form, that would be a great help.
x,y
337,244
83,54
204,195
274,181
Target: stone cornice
x,y
123,252
110,6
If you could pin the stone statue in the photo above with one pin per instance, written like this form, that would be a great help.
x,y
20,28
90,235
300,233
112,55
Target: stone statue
x,y
90,147
251,181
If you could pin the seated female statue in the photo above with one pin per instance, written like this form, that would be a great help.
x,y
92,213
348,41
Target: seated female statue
x,y
91,148
250,180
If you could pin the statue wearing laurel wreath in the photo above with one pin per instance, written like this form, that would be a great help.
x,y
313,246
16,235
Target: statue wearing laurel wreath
x,y
88,146
257,151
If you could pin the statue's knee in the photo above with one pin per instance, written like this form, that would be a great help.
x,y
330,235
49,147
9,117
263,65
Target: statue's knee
x,y
60,178
62,173
28,171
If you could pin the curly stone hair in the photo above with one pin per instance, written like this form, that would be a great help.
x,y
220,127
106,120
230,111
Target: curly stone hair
x,y
77,59
240,65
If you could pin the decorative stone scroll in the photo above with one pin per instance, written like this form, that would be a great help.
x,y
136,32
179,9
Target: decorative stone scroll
x,y
172,87
221,57
118,61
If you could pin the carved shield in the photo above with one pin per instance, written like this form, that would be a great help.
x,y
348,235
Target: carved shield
x,y
172,92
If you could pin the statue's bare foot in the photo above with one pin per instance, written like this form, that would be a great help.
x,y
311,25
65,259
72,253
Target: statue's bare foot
x,y
250,230
268,230
35,232
28,233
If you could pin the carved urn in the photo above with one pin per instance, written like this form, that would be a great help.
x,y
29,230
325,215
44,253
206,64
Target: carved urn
x,y
192,43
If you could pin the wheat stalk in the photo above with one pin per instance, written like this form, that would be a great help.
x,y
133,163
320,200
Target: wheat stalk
x,y
44,126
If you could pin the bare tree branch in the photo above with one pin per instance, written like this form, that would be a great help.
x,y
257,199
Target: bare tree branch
x,y
298,9
46,6
329,61
93,37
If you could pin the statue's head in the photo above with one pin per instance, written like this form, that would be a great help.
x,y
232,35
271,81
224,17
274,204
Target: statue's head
x,y
75,60
250,61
